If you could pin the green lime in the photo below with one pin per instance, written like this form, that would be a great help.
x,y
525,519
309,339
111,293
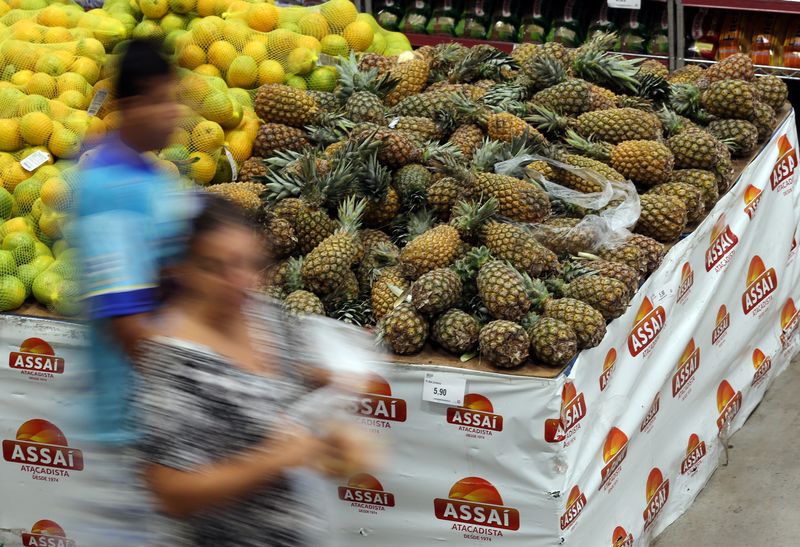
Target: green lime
x,y
22,246
12,293
66,298
42,262
297,82
59,247
7,204
64,269
26,193
27,273
8,266
43,286
323,78
334,45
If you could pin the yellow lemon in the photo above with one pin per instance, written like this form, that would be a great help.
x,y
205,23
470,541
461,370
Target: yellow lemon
x,y
182,6
217,107
13,174
323,78
202,167
313,24
172,21
41,84
74,99
205,8
208,70
56,194
339,13
56,35
207,136
309,42
358,35
53,15
96,129
26,31
87,68
262,17
58,110
35,127
280,42
297,82
256,50
191,56
301,61
154,9
22,77
236,33
241,96
205,32
243,72
10,135
240,145
63,143
270,72
221,54
90,47
72,81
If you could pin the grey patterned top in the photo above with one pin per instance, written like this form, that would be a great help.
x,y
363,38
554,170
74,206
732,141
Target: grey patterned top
x,y
195,408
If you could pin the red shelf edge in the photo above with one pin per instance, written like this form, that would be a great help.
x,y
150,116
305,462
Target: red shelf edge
x,y
775,6
419,40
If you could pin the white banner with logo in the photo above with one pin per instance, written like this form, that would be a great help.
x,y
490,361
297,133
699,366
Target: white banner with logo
x,y
608,454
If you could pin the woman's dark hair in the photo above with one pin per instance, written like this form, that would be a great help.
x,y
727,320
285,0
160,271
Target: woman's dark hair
x,y
141,61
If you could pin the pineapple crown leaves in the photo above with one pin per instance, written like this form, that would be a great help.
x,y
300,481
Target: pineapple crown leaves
x,y
600,41
538,293
482,62
500,94
374,178
353,80
330,127
653,88
355,312
350,212
672,122
548,120
468,266
588,146
437,153
529,320
419,222
489,153
544,71
469,216
607,69
685,100
514,155
294,278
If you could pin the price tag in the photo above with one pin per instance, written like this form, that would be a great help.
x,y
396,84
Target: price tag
x,y
327,60
394,122
97,102
447,389
232,161
34,160
663,294
625,4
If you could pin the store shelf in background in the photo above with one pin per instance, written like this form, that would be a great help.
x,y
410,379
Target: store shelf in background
x,y
786,73
419,40
775,6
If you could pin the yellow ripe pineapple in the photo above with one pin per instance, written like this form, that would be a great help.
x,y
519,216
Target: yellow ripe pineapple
x,y
279,103
412,78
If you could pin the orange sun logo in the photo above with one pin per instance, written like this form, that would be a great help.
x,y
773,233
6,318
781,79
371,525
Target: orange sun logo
x,y
477,490
475,401
615,441
41,431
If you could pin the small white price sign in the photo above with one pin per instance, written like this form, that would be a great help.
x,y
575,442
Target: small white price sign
x,y
446,389
34,160
625,4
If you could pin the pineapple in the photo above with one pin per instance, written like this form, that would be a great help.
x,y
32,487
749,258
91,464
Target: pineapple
x,y
280,237
424,129
741,136
456,331
691,197
587,323
705,181
607,295
663,218
375,184
772,91
288,208
570,98
272,137
362,91
325,100
240,194
345,293
575,179
602,98
436,291
279,103
252,170
425,105
364,106
379,254
442,195
656,68
388,285
405,330
381,63
597,266
628,254
735,67
765,120
412,182
694,149
504,344
517,200
567,235
519,247
552,342
503,126
653,250
395,149
503,290
643,161
467,138
326,265
435,248
688,74
412,77
730,99
619,124
302,302
370,239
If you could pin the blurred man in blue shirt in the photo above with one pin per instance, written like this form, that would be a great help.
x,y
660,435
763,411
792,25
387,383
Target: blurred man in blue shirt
x,y
130,219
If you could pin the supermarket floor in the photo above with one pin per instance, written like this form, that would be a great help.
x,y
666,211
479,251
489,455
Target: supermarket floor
x,y
753,500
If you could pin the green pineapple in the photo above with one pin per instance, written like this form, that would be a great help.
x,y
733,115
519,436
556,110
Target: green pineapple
x,y
504,344
456,331
552,342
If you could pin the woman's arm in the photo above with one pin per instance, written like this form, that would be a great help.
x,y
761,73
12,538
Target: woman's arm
x,y
183,493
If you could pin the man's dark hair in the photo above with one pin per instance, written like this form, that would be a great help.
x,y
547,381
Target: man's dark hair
x,y
141,62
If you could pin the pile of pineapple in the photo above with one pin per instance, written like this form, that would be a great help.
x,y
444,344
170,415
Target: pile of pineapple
x,y
413,198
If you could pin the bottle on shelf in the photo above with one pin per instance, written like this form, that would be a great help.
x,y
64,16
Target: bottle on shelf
x,y
444,18
416,18
474,22
567,28
388,13
505,21
535,22
658,44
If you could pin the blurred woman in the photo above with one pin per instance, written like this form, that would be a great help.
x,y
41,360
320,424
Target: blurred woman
x,y
216,448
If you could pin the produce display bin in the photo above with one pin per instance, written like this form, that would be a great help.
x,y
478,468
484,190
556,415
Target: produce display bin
x,y
609,451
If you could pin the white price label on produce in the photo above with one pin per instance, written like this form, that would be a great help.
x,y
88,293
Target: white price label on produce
x,y
34,160
625,4
447,389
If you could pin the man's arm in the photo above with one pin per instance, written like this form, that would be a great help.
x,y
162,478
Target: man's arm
x,y
129,330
